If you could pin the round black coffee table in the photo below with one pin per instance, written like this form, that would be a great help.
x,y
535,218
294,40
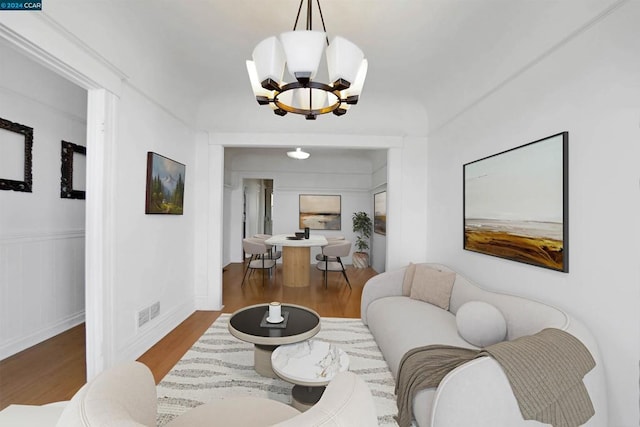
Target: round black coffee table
x,y
301,324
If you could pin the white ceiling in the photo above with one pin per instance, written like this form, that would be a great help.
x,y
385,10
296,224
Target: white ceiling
x,y
429,60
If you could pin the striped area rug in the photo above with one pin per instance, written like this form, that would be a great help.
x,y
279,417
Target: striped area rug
x,y
219,365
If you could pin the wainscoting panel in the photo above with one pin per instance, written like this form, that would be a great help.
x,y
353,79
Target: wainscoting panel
x,y
41,287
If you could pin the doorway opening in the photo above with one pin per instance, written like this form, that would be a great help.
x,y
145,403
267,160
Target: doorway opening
x,y
257,210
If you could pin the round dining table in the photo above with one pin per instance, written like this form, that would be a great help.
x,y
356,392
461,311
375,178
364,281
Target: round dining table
x,y
296,257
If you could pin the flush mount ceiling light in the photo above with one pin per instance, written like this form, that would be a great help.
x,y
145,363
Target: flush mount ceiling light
x,y
298,154
301,51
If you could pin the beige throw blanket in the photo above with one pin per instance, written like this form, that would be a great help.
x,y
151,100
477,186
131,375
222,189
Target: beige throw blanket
x,y
545,371
425,367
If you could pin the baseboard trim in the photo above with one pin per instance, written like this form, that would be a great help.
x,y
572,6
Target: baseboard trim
x,y
16,346
152,332
204,303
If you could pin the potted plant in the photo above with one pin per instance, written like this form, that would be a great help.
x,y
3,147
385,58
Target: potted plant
x,y
362,226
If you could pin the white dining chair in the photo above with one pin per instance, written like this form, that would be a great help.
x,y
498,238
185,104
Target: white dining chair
x,y
330,240
272,251
257,249
332,259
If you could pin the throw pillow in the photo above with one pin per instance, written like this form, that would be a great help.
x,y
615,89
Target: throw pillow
x,y
408,279
432,286
481,323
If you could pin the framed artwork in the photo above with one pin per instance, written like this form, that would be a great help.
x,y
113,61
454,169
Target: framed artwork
x,y
74,170
165,185
380,213
320,212
516,204
16,143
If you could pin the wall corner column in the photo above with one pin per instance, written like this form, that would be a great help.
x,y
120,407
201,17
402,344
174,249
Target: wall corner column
x,y
407,203
101,137
208,265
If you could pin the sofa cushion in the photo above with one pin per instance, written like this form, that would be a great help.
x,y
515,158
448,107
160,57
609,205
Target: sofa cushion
x,y
481,323
432,286
400,324
409,272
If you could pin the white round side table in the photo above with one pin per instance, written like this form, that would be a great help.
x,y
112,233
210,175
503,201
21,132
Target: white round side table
x,y
310,365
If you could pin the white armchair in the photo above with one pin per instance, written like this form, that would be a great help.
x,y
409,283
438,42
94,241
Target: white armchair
x,y
125,395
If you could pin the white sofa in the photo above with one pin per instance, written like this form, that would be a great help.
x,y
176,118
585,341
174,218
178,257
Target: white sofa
x,y
477,393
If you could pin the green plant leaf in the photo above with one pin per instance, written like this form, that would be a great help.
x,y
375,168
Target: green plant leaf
x,y
362,226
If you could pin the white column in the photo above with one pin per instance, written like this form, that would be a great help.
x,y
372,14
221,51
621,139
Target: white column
x,y
101,129
209,258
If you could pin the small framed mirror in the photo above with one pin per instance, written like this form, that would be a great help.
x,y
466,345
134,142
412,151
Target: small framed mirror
x,y
16,143
74,171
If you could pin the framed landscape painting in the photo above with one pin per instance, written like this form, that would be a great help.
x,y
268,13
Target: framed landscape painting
x,y
165,185
380,213
516,204
320,212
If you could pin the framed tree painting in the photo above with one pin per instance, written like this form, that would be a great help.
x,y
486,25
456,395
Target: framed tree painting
x,y
516,204
165,185
320,212
380,213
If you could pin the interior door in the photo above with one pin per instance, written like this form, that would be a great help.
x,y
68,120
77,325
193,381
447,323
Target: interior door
x,y
268,206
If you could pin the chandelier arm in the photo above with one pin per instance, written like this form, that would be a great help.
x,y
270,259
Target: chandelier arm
x,y
295,25
324,28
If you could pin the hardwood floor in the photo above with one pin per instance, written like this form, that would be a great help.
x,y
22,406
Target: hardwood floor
x,y
165,353
337,300
50,371
55,369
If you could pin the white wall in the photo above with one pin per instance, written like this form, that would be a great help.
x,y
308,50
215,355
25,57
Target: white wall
x,y
153,254
590,87
41,234
407,203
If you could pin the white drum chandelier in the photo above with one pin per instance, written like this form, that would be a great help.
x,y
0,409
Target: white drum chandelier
x,y
301,51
